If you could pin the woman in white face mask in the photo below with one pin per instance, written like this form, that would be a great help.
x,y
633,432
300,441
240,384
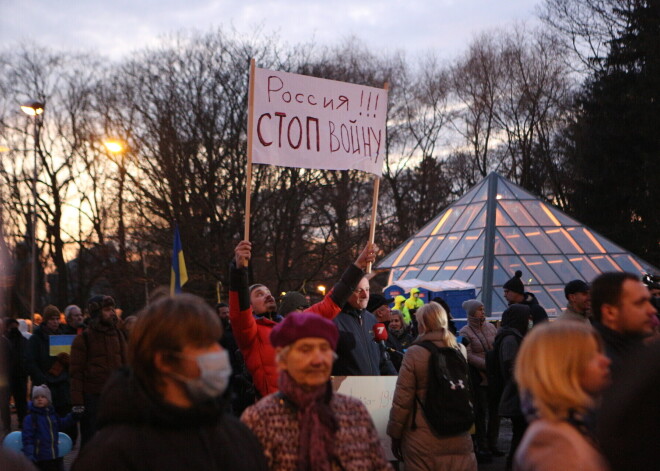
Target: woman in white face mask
x,y
167,410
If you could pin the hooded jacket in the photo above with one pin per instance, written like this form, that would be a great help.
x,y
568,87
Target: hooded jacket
x,y
537,312
515,321
252,333
137,430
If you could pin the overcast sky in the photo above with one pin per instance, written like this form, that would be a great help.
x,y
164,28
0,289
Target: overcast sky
x,y
114,28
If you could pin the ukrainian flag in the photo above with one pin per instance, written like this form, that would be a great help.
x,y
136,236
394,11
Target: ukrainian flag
x,y
60,344
179,273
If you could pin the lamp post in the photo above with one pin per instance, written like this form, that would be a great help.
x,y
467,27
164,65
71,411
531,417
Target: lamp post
x,y
116,148
35,109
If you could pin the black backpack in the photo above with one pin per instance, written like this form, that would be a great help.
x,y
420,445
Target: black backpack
x,y
448,405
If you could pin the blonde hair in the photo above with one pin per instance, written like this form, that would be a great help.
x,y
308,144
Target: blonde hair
x,y
550,365
432,317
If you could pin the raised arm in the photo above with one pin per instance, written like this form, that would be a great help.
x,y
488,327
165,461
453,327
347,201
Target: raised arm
x,y
243,324
333,302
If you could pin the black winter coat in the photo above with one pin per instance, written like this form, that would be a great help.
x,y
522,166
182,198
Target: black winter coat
x,y
358,354
138,431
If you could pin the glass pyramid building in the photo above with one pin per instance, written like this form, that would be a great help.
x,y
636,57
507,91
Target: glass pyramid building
x,y
497,228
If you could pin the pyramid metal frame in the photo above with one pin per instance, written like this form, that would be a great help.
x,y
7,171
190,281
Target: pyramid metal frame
x,y
497,228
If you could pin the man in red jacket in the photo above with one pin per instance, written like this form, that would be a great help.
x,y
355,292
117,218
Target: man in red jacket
x,y
253,312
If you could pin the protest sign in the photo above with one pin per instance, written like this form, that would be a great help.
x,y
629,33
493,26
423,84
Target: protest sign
x,y
376,393
308,122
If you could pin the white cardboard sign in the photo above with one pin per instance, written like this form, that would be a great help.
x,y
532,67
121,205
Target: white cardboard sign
x,y
308,122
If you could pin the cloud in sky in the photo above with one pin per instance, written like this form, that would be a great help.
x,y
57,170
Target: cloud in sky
x,y
121,26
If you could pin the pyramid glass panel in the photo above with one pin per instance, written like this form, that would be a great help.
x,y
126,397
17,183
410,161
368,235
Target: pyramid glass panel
x,y
442,223
477,276
565,220
467,197
517,240
563,240
629,264
499,304
540,240
587,269
540,270
502,218
429,246
544,300
604,263
482,194
446,247
469,213
480,221
557,294
467,268
511,263
408,252
429,271
541,213
500,276
585,239
446,272
518,213
464,246
563,268
501,246
478,247
503,192
410,272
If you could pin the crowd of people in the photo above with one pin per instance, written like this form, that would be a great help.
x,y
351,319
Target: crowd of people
x,y
247,385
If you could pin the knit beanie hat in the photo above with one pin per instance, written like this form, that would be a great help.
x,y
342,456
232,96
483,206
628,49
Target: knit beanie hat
x,y
42,391
471,305
292,301
299,325
515,284
51,311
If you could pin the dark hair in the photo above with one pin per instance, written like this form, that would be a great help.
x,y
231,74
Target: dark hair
x,y
9,321
607,288
219,305
169,324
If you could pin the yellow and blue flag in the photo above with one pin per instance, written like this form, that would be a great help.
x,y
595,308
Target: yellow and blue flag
x,y
59,344
179,273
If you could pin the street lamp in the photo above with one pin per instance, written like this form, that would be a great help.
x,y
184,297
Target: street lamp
x,y
36,109
117,148
321,289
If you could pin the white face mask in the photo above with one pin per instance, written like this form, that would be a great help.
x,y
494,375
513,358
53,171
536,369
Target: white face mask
x,y
215,372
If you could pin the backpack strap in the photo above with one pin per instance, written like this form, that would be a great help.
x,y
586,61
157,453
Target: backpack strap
x,y
442,363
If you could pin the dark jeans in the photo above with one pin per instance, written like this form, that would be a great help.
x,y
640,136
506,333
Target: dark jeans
x,y
51,465
88,421
485,412
518,426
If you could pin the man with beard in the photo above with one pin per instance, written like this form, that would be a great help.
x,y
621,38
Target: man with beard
x,y
95,354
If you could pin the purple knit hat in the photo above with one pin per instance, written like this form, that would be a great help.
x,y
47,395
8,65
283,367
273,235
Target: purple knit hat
x,y
299,325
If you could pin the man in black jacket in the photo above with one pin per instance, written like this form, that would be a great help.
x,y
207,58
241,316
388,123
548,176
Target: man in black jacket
x,y
514,293
623,315
358,353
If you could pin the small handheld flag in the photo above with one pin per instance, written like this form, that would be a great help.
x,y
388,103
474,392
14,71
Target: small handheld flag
x,y
179,275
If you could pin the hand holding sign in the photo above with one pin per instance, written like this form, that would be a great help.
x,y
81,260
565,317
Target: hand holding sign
x,y
243,253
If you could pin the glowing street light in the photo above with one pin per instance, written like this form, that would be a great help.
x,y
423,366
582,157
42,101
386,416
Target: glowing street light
x,y
321,289
118,148
35,109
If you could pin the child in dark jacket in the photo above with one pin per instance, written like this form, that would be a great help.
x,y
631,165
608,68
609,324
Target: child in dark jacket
x,y
41,429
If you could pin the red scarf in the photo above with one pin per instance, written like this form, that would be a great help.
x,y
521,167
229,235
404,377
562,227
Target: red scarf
x,y
317,423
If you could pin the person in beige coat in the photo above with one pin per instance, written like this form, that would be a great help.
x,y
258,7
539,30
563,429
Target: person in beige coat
x,y
482,338
422,449
560,370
